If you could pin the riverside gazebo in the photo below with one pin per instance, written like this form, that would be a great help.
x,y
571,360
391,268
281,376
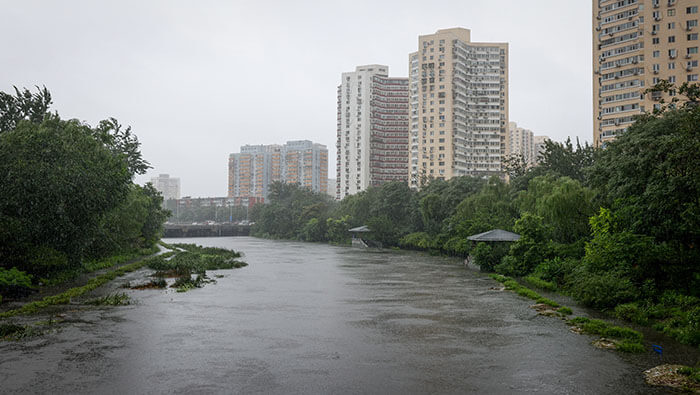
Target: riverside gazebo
x,y
360,240
495,235
492,236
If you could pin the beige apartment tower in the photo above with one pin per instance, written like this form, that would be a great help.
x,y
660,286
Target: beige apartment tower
x,y
637,43
458,103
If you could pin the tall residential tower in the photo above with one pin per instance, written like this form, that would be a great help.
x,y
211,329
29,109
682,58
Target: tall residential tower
x,y
372,129
637,43
458,106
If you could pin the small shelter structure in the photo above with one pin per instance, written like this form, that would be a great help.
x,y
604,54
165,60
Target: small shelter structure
x,y
359,237
495,235
492,236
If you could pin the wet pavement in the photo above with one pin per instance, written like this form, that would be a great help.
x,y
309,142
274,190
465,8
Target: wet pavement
x,y
312,318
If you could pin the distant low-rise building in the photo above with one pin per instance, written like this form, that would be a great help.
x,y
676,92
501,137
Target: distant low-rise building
x,y
251,171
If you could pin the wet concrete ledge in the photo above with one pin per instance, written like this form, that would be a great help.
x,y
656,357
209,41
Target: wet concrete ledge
x,y
215,230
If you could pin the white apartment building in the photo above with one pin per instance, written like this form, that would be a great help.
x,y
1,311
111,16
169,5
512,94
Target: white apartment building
x,y
372,129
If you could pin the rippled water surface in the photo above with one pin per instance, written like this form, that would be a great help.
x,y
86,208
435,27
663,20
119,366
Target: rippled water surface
x,y
313,318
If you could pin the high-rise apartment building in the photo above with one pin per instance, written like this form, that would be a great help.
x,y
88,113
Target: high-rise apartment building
x,y
257,166
458,106
637,43
372,129
306,164
523,142
169,187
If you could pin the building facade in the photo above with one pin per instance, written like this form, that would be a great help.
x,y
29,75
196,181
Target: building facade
x,y
372,130
168,186
257,166
636,44
458,96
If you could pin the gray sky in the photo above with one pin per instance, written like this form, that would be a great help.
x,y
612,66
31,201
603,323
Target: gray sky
x,y
198,79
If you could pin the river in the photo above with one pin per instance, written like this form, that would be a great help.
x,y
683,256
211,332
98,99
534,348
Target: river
x,y
313,318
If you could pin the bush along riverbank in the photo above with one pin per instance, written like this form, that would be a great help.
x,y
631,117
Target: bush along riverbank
x,y
187,264
612,337
607,335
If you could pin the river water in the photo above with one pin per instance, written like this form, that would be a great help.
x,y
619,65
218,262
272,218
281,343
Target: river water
x,y
312,318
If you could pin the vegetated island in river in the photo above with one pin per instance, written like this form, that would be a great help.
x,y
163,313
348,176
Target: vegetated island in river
x,y
182,267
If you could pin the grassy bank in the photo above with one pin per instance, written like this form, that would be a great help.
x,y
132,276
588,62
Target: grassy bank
x,y
619,338
65,297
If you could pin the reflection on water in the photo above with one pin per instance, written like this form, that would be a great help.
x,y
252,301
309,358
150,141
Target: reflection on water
x,y
313,318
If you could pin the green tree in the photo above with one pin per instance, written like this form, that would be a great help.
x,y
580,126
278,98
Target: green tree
x,y
23,106
563,203
650,179
492,207
531,249
57,184
565,160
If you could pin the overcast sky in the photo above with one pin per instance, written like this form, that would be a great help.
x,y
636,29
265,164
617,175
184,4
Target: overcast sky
x,y
198,79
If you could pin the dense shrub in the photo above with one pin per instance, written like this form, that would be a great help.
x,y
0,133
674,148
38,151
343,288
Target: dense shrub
x,y
556,270
540,283
487,256
532,248
603,290
457,246
14,282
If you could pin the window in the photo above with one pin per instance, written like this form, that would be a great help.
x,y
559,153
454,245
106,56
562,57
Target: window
x,y
671,25
672,79
672,39
655,67
691,10
672,53
656,15
655,40
672,66
692,50
692,37
671,12
691,24
692,77
656,54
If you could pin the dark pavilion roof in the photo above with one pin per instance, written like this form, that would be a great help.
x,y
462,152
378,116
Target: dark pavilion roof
x,y
495,235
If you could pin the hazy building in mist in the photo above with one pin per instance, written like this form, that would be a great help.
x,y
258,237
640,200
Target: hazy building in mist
x,y
168,186
257,166
523,142
458,106
372,130
538,142
331,187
